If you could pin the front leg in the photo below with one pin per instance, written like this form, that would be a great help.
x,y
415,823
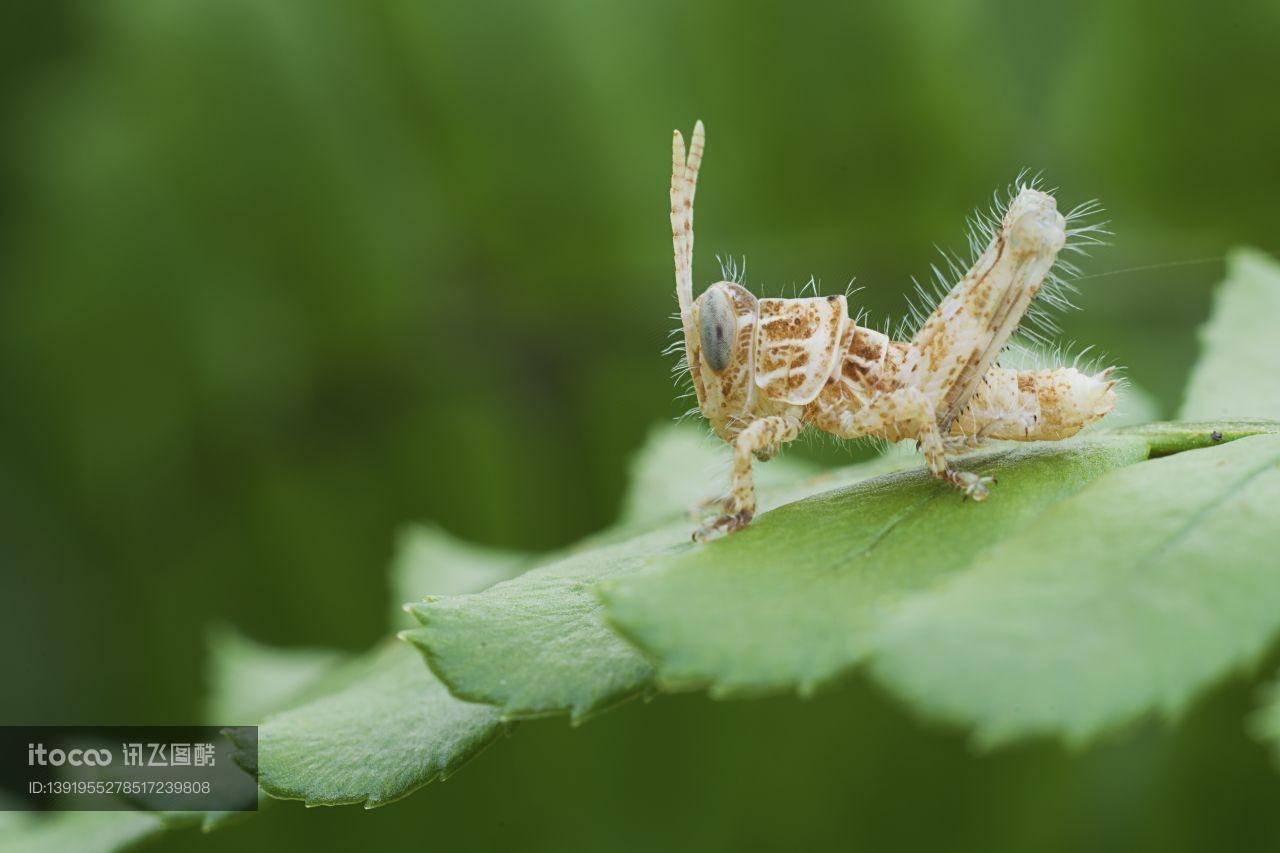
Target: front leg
x,y
760,437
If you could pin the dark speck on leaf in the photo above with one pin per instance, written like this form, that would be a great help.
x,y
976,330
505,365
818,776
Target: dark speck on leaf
x,y
1216,435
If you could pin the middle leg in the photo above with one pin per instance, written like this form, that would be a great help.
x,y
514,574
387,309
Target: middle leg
x,y
908,413
934,447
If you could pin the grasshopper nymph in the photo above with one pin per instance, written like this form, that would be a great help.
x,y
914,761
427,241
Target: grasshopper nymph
x,y
764,369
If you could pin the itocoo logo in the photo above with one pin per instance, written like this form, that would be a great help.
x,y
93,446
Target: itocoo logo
x,y
37,754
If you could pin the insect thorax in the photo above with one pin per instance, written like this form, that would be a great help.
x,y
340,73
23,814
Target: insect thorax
x,y
757,357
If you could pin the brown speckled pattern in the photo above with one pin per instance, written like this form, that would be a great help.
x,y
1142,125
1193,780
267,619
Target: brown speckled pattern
x,y
798,346
802,362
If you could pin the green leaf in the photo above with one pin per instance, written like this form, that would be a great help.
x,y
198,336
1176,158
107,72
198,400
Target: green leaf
x,y
388,730
789,602
1264,723
379,727
1238,374
1167,439
248,680
83,832
1131,596
540,645
429,560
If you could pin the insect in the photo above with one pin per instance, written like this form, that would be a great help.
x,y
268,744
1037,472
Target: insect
x,y
764,369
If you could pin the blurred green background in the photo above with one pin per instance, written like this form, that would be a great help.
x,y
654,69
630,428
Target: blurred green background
x,y
279,276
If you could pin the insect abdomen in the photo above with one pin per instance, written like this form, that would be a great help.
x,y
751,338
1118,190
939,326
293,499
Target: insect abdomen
x,y
1036,405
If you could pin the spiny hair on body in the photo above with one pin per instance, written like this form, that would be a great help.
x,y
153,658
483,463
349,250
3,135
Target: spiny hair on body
x,y
1032,347
1084,230
734,269
1038,328
1029,356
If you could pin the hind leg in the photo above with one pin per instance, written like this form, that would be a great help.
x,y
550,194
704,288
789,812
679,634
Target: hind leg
x,y
959,342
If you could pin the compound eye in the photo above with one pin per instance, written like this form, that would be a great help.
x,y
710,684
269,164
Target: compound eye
x,y
719,328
